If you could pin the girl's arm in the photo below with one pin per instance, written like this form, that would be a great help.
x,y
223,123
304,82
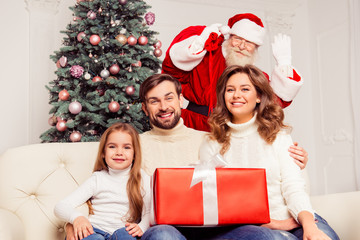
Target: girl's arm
x,y
311,231
66,208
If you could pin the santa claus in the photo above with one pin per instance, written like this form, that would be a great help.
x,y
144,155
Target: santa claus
x,y
199,54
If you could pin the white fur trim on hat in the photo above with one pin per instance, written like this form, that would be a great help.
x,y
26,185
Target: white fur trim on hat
x,y
249,30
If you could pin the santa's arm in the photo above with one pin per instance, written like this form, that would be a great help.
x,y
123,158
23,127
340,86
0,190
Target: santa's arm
x,y
188,48
285,80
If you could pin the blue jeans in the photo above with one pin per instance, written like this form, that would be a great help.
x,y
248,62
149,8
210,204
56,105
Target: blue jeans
x,y
243,232
117,235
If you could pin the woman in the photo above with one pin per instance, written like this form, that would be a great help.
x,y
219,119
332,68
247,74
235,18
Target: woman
x,y
247,129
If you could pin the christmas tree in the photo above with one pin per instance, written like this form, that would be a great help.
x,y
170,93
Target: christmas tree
x,y
109,50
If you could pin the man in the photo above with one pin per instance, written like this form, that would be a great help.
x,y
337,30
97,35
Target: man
x,y
171,144
198,55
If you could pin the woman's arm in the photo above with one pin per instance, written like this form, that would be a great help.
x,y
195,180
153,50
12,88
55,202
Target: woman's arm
x,y
311,231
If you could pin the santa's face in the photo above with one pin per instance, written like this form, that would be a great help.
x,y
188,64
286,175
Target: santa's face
x,y
239,51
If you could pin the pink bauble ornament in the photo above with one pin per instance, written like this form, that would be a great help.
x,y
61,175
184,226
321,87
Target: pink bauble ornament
x,y
52,121
137,64
80,37
64,95
63,61
95,39
143,40
130,90
75,136
114,69
122,2
121,38
97,79
158,44
114,106
75,107
91,15
157,52
132,40
76,71
61,125
150,18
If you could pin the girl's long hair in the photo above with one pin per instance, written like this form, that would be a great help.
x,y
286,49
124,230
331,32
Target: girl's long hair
x,y
269,117
134,182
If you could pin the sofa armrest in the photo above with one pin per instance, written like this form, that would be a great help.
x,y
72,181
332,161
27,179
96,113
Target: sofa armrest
x,y
11,227
341,211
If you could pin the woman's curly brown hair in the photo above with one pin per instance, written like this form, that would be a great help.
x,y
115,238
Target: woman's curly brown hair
x,y
269,117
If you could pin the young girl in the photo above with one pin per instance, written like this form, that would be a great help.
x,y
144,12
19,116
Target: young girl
x,y
247,129
118,192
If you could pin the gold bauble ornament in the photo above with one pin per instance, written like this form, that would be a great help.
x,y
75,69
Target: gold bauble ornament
x,y
121,38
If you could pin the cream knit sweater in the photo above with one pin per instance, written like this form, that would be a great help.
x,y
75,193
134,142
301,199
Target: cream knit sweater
x,y
166,148
286,186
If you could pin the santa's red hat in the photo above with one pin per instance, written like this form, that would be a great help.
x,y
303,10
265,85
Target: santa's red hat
x,y
248,26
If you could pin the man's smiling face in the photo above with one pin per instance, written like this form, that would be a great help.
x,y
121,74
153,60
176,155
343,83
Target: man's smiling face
x,y
163,105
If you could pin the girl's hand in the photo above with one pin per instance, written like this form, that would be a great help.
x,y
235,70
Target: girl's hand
x,y
69,230
133,229
82,228
286,225
299,155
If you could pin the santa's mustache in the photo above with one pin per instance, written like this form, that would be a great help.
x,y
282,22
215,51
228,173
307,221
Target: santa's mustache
x,y
244,52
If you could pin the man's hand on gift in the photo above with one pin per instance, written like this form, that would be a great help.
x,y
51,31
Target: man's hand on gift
x,y
299,154
82,227
286,225
133,229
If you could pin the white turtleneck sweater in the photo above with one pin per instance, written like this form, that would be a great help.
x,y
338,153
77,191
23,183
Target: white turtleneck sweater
x,y
107,190
166,148
285,185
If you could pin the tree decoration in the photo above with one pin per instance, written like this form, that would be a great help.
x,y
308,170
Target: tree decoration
x,y
95,39
87,76
158,44
61,125
131,40
157,52
150,18
64,95
114,69
75,107
80,37
63,61
114,106
75,136
91,15
130,90
122,39
104,73
122,2
143,40
52,121
137,64
76,71
97,79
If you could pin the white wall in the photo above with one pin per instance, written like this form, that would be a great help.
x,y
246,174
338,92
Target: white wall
x,y
31,38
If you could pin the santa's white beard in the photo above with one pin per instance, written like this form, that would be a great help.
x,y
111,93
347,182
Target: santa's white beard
x,y
232,56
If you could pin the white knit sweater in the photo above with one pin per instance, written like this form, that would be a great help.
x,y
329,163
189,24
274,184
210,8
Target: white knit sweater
x,y
166,148
285,185
109,200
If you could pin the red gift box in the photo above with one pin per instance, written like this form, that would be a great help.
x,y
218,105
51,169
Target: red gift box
x,y
240,197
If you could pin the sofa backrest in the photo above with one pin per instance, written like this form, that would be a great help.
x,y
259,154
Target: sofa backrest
x,y
34,178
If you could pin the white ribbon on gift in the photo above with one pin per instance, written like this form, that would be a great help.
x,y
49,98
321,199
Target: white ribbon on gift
x,y
206,172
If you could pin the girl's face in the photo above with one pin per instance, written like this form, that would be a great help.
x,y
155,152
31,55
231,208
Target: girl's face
x,y
119,150
240,98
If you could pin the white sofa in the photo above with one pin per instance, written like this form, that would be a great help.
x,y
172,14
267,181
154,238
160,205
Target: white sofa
x,y
34,177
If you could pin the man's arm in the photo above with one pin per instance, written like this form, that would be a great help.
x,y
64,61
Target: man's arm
x,y
299,155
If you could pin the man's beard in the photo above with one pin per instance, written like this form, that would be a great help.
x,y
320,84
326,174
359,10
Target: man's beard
x,y
232,56
169,124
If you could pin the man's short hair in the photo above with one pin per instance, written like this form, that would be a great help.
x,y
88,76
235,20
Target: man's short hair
x,y
155,80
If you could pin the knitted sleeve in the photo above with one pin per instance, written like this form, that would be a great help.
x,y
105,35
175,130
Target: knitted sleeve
x,y
144,224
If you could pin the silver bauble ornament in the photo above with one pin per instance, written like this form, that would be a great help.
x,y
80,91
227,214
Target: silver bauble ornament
x,y
75,107
105,73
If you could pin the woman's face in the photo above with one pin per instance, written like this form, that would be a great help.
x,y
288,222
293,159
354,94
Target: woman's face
x,y
240,98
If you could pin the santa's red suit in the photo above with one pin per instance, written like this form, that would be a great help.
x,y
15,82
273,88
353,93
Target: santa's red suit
x,y
199,72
